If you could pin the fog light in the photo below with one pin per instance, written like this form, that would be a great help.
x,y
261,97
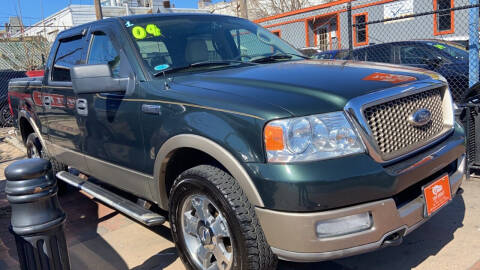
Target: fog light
x,y
344,225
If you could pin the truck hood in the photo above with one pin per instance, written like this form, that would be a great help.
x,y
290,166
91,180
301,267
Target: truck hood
x,y
305,87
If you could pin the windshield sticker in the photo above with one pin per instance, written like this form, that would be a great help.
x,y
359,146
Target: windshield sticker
x,y
152,29
139,32
128,24
391,78
161,67
441,47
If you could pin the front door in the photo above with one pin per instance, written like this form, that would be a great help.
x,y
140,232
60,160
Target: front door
x,y
58,98
113,141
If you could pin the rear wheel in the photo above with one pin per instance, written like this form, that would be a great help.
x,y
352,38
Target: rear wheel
x,y
214,226
34,147
35,150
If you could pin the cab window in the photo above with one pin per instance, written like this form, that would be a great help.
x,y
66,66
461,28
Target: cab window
x,y
69,53
413,55
102,51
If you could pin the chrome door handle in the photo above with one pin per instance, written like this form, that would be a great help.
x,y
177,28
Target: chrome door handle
x,y
47,101
152,109
82,106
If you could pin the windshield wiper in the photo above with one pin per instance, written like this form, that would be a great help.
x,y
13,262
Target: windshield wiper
x,y
203,64
275,57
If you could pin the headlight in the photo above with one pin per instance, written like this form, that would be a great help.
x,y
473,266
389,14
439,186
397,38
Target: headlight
x,y
315,137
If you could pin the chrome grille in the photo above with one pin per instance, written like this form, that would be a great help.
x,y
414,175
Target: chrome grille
x,y
391,130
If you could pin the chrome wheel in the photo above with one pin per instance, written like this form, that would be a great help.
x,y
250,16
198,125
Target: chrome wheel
x,y
206,233
32,152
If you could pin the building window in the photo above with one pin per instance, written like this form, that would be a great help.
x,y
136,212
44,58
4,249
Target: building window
x,y
277,33
360,32
443,21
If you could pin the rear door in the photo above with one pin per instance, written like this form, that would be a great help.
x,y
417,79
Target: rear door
x,y
59,101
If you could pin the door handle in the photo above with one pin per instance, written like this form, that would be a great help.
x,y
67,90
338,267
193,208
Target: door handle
x,y
152,109
82,106
47,101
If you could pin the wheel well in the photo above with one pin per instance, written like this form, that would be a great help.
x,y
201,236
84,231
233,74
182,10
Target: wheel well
x,y
183,159
25,128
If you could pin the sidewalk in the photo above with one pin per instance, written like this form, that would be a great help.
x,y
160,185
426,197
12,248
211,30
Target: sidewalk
x,y
101,238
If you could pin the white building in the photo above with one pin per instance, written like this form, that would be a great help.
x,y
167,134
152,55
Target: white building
x,y
74,15
256,8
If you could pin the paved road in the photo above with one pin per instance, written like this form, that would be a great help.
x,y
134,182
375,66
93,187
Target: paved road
x,y
101,238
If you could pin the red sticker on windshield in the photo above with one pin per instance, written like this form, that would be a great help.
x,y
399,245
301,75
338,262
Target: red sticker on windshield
x,y
391,78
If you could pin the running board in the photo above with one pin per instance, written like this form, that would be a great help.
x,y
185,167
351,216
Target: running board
x,y
113,200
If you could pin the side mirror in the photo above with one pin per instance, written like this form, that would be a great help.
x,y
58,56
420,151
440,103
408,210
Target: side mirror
x,y
91,79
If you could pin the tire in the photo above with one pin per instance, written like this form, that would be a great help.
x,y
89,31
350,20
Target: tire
x,y
35,150
229,223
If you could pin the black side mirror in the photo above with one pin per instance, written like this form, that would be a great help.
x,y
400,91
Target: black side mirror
x,y
90,79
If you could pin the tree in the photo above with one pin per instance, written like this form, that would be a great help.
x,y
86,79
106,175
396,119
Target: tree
x,y
264,8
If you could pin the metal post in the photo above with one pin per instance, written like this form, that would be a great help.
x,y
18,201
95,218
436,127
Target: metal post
x,y
350,29
473,45
243,9
98,10
37,219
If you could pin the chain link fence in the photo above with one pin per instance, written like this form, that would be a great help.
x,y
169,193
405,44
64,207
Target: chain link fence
x,y
437,35
17,57
429,34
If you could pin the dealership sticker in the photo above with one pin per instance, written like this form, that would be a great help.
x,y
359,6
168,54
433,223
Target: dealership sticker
x,y
386,77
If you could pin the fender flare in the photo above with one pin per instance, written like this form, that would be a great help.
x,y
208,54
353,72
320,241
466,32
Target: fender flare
x,y
25,114
211,148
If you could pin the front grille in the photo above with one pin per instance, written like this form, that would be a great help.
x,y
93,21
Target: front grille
x,y
390,128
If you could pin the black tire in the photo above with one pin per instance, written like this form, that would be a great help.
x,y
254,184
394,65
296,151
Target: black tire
x,y
250,248
33,142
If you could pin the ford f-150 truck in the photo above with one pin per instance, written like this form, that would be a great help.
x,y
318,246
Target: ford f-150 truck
x,y
255,152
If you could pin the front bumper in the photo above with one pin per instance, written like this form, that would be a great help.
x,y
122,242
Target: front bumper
x,y
292,235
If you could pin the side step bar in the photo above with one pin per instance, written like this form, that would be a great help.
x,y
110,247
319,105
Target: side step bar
x,y
113,200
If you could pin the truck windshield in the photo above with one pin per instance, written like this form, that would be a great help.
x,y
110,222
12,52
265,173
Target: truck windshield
x,y
454,51
184,43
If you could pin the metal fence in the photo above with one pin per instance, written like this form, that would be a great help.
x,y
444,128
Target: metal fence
x,y
17,56
430,34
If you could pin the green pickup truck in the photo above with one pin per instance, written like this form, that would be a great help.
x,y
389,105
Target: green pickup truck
x,y
256,152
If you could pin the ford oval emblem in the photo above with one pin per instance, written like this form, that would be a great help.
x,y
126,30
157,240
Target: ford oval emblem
x,y
420,117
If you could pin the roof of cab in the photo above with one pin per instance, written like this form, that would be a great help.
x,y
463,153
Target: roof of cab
x,y
79,28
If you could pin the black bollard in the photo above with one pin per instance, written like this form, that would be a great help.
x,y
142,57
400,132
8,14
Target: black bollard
x,y
37,219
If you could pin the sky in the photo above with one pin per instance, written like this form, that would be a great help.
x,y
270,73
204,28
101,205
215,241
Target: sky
x,y
31,10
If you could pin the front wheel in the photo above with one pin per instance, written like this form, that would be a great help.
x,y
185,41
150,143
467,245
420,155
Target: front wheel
x,y
214,226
